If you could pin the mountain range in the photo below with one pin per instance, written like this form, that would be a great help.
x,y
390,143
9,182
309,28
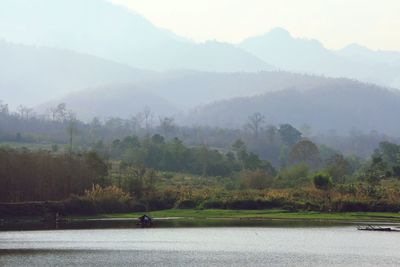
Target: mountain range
x,y
285,52
112,32
183,91
343,107
31,75
105,60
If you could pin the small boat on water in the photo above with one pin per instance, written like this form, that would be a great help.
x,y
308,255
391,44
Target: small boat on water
x,y
145,221
377,228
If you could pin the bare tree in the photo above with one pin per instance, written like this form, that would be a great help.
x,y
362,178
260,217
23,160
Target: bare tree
x,y
255,123
136,122
148,119
167,126
24,112
95,128
3,108
72,128
59,113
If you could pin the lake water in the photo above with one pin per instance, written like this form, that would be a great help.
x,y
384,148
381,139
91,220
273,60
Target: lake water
x,y
222,246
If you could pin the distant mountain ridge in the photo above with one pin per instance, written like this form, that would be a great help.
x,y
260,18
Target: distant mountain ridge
x,y
109,89
280,49
185,90
123,101
227,100
91,55
113,32
342,107
32,75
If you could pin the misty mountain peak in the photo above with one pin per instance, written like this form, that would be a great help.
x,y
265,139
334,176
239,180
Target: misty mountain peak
x,y
279,33
113,32
354,47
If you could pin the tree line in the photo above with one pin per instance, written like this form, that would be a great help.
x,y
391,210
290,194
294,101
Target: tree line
x,y
41,175
59,126
153,173
135,164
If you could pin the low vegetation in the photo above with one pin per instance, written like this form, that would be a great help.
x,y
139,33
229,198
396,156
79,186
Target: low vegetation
x,y
98,167
147,174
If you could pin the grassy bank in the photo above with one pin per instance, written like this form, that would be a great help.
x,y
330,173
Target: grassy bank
x,y
180,214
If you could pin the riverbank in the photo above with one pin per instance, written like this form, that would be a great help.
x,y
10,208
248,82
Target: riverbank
x,y
182,214
178,218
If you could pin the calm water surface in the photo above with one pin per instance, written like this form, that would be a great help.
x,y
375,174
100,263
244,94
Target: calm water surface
x,y
233,246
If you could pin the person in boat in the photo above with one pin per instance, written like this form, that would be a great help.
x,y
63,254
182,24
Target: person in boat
x,y
145,220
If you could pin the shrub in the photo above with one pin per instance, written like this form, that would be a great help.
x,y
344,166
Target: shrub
x,y
257,179
108,199
78,205
322,181
294,176
186,204
213,204
252,204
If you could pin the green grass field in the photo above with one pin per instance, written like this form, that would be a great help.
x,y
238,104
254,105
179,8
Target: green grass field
x,y
259,214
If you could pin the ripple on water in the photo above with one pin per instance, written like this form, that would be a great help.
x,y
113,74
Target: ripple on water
x,y
202,246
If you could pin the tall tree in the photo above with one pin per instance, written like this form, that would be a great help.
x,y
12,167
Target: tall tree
x,y
255,123
148,119
289,134
240,149
72,129
167,126
338,167
307,152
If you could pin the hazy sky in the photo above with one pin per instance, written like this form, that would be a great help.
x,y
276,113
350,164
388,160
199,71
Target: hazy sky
x,y
373,23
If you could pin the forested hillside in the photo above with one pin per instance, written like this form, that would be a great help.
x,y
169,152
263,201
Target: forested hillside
x,y
322,103
343,107
123,101
187,90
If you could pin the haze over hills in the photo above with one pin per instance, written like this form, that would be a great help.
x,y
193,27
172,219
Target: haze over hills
x,y
43,74
123,101
324,104
113,32
280,49
116,63
105,89
186,90
33,75
343,106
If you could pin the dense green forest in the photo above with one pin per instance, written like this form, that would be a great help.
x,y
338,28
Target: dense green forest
x,y
132,165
